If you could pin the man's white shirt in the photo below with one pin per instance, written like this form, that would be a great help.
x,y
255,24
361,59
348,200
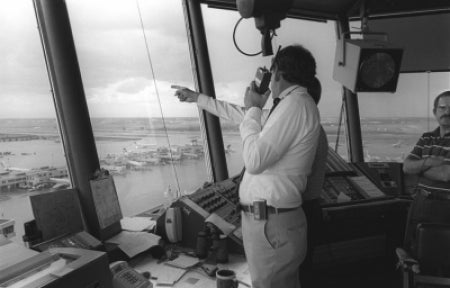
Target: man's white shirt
x,y
278,151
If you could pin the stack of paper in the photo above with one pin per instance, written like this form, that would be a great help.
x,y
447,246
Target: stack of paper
x,y
137,224
167,275
183,262
133,243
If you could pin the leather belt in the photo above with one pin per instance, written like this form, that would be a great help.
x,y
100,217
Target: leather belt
x,y
436,195
270,209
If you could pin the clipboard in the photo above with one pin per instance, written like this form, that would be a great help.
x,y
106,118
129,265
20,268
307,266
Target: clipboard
x,y
57,212
105,200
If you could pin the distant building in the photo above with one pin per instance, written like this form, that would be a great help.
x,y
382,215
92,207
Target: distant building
x,y
17,137
10,180
34,178
38,177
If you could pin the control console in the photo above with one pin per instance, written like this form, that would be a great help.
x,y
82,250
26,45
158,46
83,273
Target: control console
x,y
220,198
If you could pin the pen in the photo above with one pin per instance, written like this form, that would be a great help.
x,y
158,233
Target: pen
x,y
243,283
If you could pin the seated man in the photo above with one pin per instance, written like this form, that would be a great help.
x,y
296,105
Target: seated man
x,y
430,161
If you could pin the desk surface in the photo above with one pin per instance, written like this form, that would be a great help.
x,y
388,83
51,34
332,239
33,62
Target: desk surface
x,y
190,278
12,253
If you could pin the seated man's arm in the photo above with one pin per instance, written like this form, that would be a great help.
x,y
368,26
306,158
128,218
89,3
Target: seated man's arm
x,y
440,173
413,165
433,168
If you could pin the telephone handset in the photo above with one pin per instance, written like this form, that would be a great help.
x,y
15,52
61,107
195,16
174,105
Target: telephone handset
x,y
126,277
263,75
262,80
173,224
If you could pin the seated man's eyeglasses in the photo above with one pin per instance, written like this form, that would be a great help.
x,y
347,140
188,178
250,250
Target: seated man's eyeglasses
x,y
443,108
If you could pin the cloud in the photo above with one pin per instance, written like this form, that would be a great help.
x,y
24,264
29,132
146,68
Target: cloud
x,y
104,15
121,61
138,98
110,51
21,105
22,59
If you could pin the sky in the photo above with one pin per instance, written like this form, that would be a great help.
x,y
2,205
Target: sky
x,y
127,70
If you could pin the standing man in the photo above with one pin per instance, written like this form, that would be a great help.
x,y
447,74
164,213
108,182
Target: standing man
x,y
278,152
430,161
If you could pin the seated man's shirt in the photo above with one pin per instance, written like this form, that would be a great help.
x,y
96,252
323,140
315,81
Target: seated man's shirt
x,y
432,144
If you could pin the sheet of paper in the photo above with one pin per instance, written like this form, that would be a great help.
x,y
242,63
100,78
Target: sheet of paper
x,y
342,197
195,277
223,225
196,280
183,262
137,224
133,243
162,275
170,277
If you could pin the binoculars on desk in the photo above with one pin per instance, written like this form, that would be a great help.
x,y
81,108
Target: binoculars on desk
x,y
212,243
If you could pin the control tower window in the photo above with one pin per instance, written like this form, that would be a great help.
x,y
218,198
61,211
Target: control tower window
x,y
231,77
391,123
32,158
129,54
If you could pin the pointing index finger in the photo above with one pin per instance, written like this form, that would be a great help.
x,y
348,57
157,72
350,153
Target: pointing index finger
x,y
178,87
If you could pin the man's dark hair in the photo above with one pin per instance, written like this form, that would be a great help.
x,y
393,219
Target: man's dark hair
x,y
436,100
315,90
297,65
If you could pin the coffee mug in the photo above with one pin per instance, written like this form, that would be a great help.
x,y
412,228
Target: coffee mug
x,y
226,279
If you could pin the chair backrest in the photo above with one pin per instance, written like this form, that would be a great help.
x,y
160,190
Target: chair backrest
x,y
433,249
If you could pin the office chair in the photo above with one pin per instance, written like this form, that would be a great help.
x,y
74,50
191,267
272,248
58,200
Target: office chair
x,y
429,264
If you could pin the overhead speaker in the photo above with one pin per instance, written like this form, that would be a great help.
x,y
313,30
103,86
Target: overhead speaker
x,y
367,65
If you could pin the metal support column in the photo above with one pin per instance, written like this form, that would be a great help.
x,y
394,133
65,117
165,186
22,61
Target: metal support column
x,y
352,112
71,106
205,84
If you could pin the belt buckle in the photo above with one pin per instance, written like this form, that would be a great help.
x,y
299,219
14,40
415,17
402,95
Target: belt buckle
x,y
260,209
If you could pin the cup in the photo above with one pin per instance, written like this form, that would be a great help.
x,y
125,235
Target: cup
x,y
226,279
